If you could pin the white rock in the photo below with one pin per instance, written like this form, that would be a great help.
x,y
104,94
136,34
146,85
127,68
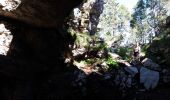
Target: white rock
x,y
78,51
5,39
149,78
77,13
114,55
10,5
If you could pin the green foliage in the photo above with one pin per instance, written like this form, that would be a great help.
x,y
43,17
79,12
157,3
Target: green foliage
x,y
94,60
158,51
113,21
82,39
79,39
125,53
148,15
89,61
99,47
112,63
144,48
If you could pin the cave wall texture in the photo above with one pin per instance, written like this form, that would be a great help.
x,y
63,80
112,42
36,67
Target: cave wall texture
x,y
34,68
42,13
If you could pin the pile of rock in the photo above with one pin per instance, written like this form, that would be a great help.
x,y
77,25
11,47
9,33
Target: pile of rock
x,y
148,73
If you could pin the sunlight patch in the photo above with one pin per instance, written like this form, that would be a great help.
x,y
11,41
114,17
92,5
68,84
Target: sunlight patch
x,y
5,39
10,5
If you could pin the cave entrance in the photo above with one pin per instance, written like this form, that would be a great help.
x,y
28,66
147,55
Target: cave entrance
x,y
98,27
116,26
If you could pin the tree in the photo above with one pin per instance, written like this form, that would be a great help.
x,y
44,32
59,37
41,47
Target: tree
x,y
137,19
147,17
113,22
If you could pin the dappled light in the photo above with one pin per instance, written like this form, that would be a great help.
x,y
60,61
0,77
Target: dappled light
x,y
115,40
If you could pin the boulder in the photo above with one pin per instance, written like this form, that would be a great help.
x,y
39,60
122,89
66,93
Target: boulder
x,y
124,80
149,78
131,70
146,62
150,64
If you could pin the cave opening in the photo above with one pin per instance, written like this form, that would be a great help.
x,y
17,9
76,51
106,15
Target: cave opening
x,y
79,49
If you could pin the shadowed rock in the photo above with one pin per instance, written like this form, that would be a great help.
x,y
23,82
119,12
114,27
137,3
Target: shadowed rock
x,y
42,13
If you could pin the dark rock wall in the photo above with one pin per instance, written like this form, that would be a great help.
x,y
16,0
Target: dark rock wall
x,y
34,67
43,13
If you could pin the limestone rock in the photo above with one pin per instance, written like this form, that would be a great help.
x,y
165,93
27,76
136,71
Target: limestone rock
x,y
5,39
86,17
149,78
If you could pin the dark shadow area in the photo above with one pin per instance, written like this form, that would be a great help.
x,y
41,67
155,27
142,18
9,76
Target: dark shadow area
x,y
34,68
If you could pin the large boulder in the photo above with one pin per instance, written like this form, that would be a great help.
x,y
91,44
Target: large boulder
x,y
149,78
150,64
33,64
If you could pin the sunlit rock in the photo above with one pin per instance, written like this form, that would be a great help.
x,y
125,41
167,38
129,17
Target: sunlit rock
x,y
86,17
114,55
79,64
5,39
9,5
77,13
78,51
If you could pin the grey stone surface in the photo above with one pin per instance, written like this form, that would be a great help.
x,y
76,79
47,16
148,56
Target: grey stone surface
x,y
149,78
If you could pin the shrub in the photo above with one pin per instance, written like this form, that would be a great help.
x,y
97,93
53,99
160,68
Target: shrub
x,y
112,63
125,53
